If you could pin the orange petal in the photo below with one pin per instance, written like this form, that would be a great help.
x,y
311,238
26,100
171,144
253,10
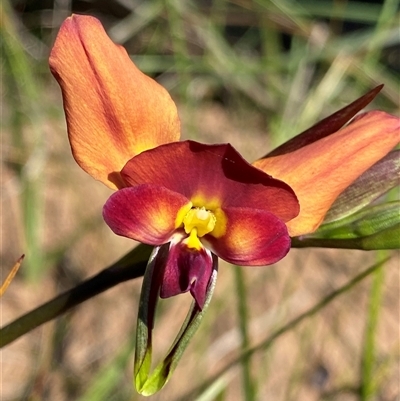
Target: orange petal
x,y
113,110
320,171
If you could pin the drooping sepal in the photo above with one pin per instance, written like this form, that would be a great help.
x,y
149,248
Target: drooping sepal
x,y
148,383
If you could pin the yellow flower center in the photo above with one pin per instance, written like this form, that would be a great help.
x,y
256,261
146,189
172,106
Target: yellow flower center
x,y
201,219
198,220
197,223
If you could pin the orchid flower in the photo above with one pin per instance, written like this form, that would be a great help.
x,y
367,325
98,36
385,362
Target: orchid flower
x,y
195,202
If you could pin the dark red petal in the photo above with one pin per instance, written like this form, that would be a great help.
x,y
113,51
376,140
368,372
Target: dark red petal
x,y
188,270
145,213
253,238
211,175
327,126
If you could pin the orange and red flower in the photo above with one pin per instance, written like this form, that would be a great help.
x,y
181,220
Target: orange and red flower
x,y
190,200
122,127
201,198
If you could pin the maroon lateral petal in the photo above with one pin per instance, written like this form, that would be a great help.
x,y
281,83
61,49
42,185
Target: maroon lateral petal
x,y
253,238
145,213
216,174
187,270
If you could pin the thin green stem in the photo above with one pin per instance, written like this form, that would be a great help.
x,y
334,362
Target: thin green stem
x,y
248,383
129,267
385,239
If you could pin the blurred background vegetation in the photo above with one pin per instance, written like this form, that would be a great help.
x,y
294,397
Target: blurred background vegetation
x,y
249,72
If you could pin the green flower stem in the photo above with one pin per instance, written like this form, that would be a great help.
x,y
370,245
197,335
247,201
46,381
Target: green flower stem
x,y
267,342
129,267
248,384
298,242
368,380
386,239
